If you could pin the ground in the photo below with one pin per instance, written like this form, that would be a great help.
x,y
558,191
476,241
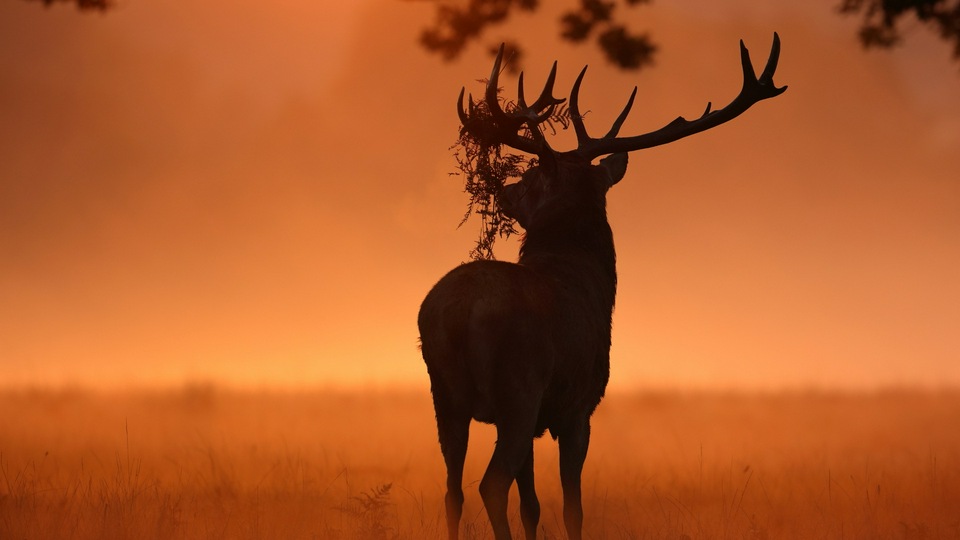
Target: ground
x,y
202,462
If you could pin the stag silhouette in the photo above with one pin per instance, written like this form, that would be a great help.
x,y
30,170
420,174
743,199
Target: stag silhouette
x,y
526,345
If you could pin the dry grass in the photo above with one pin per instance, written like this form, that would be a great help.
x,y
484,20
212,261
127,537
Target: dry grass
x,y
205,463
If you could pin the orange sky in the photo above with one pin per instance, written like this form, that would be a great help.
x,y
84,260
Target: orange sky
x,y
258,195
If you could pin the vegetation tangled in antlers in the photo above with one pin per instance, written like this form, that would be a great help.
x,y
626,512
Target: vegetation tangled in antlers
x,y
486,168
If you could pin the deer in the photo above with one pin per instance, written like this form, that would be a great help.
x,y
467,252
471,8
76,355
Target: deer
x,y
526,345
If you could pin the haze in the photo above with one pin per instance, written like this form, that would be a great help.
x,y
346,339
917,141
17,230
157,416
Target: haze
x,y
258,195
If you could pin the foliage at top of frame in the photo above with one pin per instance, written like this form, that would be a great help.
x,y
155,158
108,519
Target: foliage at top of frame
x,y
881,18
458,23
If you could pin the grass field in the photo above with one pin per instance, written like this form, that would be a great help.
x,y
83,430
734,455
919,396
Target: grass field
x,y
208,463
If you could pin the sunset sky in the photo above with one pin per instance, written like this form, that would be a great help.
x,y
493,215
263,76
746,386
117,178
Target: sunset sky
x,y
257,194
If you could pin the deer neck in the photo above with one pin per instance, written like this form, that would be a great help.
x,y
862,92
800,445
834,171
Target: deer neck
x,y
578,253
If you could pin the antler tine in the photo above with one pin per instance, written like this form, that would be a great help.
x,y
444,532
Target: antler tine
x,y
753,90
460,112
521,103
575,116
767,76
493,87
748,73
546,98
618,123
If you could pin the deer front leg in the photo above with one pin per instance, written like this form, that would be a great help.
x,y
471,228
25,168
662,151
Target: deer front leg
x,y
514,442
573,441
529,505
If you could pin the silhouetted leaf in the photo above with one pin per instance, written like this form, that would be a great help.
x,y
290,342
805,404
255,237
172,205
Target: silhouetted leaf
x,y
83,5
625,50
574,27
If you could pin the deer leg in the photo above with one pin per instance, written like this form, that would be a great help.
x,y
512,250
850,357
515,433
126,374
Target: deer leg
x,y
454,430
514,441
573,451
529,505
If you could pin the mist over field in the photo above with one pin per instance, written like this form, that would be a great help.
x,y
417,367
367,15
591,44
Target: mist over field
x,y
259,195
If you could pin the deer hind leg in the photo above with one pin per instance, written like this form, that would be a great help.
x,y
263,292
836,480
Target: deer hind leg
x,y
529,505
573,441
515,432
454,430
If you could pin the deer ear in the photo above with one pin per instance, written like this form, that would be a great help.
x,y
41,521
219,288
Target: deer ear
x,y
616,166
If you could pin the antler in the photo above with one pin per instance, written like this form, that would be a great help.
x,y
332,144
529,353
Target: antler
x,y
504,127
754,90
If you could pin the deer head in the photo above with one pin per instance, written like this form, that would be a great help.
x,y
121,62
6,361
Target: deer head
x,y
553,186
